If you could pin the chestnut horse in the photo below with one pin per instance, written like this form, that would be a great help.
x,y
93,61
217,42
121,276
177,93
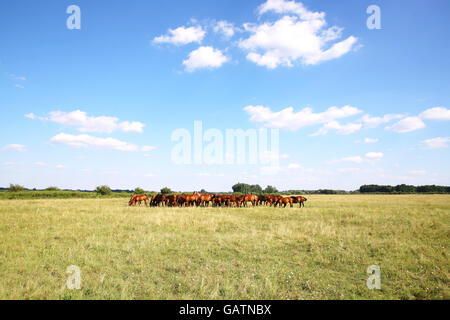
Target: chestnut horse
x,y
138,198
300,200
252,198
284,201
204,199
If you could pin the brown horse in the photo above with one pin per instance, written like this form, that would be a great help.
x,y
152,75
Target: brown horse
x,y
204,199
250,198
159,199
284,201
171,200
192,199
300,200
138,198
274,200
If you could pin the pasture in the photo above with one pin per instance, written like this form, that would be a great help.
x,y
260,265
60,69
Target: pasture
x,y
321,251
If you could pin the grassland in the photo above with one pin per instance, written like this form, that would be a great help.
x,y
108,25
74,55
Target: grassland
x,y
318,252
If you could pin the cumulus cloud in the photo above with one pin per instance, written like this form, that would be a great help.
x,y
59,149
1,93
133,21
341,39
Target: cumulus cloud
x,y
369,140
437,143
374,155
14,147
30,116
182,35
282,6
373,122
340,129
85,123
291,120
438,113
227,29
300,36
87,141
204,57
407,125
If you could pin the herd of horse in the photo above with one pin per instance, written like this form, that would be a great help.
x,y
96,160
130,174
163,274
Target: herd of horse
x,y
203,199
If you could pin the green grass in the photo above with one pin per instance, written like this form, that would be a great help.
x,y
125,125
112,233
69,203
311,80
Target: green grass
x,y
318,252
61,194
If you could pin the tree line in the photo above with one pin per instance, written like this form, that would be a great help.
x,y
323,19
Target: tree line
x,y
403,188
238,188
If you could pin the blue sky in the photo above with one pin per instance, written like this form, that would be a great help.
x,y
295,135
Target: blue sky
x,y
98,105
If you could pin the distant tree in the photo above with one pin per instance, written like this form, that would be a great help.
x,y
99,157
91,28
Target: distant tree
x,y
240,187
139,191
103,190
203,191
256,188
52,189
270,189
166,190
246,188
15,187
403,188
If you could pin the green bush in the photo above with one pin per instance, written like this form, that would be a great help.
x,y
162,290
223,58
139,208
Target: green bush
x,y
139,191
166,190
15,187
103,190
52,189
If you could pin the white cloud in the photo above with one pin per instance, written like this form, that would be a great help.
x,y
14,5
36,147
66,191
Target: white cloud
x,y
224,27
340,129
374,155
16,77
60,166
438,113
147,148
204,57
41,164
288,119
134,126
368,157
373,122
15,147
87,141
369,140
298,37
294,166
437,143
282,6
85,123
182,35
19,86
407,125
